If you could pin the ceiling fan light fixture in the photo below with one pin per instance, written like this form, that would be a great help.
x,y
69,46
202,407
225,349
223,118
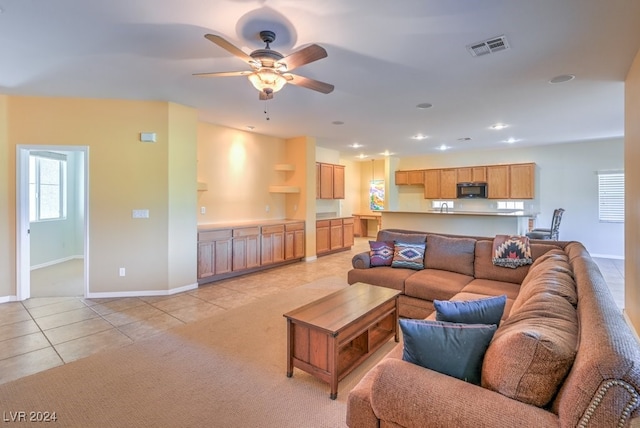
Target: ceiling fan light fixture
x,y
267,80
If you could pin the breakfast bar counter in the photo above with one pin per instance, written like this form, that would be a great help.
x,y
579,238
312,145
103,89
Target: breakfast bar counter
x,y
460,222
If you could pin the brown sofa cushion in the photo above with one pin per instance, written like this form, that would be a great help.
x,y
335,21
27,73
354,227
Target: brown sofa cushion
x,y
409,238
452,254
484,268
432,284
384,276
532,350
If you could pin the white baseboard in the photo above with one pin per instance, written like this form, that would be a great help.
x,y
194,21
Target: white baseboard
x,y
112,294
7,299
55,262
311,259
607,256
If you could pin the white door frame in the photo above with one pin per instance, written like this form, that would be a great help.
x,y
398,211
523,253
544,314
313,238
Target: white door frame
x,y
23,241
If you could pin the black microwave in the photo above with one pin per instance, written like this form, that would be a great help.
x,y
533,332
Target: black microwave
x,y
472,190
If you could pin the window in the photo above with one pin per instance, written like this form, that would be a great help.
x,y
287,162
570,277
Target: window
x,y
47,186
611,196
510,205
436,205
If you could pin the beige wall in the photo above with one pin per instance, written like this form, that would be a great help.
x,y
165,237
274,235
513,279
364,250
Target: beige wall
x,y
632,194
124,174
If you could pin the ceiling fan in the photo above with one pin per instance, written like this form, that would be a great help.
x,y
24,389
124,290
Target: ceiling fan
x,y
270,70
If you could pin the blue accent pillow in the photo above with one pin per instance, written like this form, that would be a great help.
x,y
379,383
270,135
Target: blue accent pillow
x,y
449,348
406,255
480,311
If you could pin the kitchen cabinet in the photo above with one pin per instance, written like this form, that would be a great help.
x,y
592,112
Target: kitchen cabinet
x,y
522,181
498,181
432,184
330,181
294,241
448,181
409,177
472,174
224,252
214,253
272,244
246,248
334,235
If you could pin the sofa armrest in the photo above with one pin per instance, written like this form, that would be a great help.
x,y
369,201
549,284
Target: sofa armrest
x,y
361,261
408,395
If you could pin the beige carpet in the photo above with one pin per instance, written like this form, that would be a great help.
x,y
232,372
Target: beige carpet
x,y
224,371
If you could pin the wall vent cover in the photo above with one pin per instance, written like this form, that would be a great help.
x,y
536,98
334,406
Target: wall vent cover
x,y
492,45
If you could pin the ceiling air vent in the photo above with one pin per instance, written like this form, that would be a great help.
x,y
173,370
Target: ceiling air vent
x,y
495,44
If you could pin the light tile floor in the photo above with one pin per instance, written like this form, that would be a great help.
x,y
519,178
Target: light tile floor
x,y
40,333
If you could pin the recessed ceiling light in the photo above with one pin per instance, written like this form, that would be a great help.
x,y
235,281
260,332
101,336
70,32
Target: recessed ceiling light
x,y
562,78
511,140
499,126
464,139
442,147
251,127
337,122
355,145
423,106
386,153
419,137
362,156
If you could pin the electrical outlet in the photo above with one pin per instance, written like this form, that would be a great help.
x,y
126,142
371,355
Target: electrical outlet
x,y
266,208
122,272
203,210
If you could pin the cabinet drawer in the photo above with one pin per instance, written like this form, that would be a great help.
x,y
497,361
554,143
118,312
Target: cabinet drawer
x,y
347,220
214,235
294,226
335,223
273,229
246,231
323,223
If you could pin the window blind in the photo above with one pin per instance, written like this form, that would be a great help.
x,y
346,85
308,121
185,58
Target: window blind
x,y
611,197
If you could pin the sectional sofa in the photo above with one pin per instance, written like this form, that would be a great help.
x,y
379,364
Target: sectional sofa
x,y
562,356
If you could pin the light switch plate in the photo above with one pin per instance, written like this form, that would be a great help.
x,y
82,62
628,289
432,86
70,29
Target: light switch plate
x,y
140,214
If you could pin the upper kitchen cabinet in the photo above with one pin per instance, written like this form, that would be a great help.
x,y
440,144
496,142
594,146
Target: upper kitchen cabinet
x,y
472,174
329,181
522,181
409,177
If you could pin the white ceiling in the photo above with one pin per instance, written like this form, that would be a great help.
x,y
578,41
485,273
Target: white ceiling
x,y
384,58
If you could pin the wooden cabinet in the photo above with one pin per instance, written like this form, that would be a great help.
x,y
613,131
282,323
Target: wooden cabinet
x,y
334,235
330,181
514,181
272,244
246,248
522,181
214,253
432,184
233,251
323,239
498,181
409,177
472,174
448,181
294,241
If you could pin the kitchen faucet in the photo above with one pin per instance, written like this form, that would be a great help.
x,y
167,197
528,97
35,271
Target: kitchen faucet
x,y
444,204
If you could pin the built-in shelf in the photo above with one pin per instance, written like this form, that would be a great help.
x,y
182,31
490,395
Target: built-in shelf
x,y
284,189
285,167
202,186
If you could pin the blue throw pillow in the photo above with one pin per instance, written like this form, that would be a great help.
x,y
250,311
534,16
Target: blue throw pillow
x,y
481,311
449,348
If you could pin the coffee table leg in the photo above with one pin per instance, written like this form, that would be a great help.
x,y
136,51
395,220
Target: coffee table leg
x,y
396,321
333,366
290,341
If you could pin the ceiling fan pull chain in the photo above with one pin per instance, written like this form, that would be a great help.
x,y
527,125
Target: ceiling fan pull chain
x,y
266,110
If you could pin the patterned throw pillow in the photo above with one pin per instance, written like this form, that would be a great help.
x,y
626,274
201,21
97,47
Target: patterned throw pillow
x,y
409,256
381,253
511,251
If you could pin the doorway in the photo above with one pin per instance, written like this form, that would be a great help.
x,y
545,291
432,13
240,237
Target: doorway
x,y
52,220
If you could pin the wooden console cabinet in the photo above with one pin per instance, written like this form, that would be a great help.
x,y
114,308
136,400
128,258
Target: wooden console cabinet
x,y
234,250
333,235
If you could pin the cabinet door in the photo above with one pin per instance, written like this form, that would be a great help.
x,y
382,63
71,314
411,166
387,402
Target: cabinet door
x,y
222,256
338,182
415,177
272,244
479,174
448,180
498,181
294,241
318,176
205,259
432,184
246,248
336,239
322,236
522,181
402,178
347,232
278,247
298,244
326,181
463,175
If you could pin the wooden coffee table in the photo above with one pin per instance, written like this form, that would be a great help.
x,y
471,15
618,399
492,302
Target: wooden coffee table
x,y
331,336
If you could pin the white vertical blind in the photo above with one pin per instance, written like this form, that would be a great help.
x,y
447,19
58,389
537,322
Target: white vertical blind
x,y
611,196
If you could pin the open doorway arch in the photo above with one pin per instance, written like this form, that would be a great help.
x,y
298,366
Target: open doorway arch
x,y
78,179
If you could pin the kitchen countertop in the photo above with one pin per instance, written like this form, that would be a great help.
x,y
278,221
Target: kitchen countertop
x,y
240,224
473,213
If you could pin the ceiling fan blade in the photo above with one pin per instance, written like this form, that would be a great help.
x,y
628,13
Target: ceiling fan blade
x,y
223,74
303,56
305,82
232,49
